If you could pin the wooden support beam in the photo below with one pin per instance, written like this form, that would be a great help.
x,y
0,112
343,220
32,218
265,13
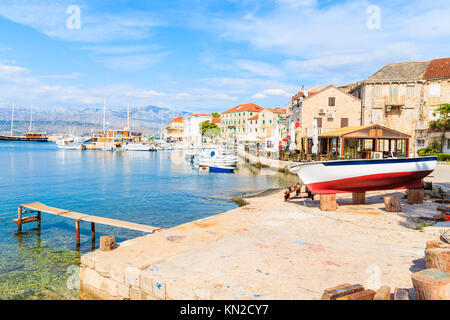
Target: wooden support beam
x,y
392,204
361,295
401,294
92,231
384,293
39,219
77,232
341,290
328,202
359,197
415,196
19,219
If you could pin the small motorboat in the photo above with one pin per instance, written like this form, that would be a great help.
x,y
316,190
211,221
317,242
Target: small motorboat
x,y
70,143
137,147
216,168
342,176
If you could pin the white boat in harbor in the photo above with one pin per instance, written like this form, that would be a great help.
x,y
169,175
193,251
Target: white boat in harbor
x,y
70,143
137,147
213,158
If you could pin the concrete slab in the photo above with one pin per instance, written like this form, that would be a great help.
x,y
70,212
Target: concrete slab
x,y
271,249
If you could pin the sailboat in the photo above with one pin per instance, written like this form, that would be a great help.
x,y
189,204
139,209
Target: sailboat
x,y
133,145
26,137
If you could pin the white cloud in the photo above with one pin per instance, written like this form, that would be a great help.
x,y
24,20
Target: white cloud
x,y
259,68
271,92
333,41
132,62
50,17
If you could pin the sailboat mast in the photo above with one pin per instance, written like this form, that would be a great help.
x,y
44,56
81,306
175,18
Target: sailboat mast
x,y
104,113
31,119
128,117
12,120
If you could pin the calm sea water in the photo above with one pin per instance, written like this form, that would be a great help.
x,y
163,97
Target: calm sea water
x,y
154,188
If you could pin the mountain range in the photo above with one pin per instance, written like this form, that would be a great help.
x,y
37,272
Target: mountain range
x,y
59,120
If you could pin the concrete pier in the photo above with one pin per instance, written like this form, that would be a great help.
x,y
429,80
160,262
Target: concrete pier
x,y
269,249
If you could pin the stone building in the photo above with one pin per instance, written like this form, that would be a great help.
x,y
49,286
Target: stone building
x,y
192,132
175,129
235,121
264,124
403,96
332,107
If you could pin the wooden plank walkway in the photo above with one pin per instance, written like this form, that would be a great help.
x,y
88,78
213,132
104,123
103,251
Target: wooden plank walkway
x,y
40,207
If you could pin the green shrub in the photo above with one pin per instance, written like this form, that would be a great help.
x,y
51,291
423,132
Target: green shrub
x,y
429,151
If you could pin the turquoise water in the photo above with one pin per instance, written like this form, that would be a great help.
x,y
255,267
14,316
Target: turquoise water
x,y
154,188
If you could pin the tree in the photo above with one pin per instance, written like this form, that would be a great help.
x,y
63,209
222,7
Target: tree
x,y
215,115
443,123
209,128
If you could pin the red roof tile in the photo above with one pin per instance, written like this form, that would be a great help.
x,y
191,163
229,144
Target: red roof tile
x,y
201,115
177,119
245,107
277,110
255,117
438,68
216,120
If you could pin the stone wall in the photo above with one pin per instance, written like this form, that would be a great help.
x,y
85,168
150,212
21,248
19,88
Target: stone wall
x,y
346,106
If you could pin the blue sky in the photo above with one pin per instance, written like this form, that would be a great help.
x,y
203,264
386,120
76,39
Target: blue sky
x,y
208,55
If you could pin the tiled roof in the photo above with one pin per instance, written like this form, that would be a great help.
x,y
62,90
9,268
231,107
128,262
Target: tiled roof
x,y
245,107
332,86
438,68
177,119
400,71
216,120
277,110
255,117
201,115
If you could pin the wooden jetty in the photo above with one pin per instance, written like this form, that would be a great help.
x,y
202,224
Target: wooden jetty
x,y
38,208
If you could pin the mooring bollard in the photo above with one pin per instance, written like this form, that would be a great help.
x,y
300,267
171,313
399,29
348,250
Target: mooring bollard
x,y
107,243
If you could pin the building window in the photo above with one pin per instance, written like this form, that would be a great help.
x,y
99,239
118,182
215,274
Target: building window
x,y
344,122
270,121
251,113
264,121
420,143
331,101
448,144
434,90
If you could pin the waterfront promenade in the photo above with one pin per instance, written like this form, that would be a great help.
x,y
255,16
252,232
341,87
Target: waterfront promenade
x,y
268,249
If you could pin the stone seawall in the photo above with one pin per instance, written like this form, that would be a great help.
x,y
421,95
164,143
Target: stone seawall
x,y
268,249
278,165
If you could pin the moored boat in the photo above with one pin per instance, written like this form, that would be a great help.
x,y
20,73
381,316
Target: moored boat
x,y
137,147
341,176
27,137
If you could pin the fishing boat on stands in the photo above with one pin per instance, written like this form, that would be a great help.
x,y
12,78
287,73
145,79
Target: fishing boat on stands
x,y
342,176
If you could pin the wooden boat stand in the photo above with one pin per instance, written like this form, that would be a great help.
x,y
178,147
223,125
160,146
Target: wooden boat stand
x,y
37,207
328,201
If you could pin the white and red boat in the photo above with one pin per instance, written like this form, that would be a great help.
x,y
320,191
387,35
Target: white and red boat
x,y
341,176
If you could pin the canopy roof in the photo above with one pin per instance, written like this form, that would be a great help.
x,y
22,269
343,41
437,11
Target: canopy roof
x,y
369,131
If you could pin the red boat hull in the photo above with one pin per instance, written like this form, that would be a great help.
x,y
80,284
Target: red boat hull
x,y
383,181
